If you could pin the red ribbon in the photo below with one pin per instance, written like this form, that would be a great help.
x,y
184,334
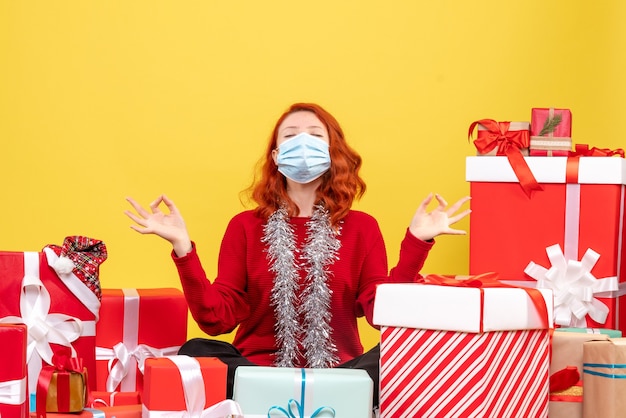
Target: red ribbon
x,y
63,364
583,150
490,280
508,143
564,379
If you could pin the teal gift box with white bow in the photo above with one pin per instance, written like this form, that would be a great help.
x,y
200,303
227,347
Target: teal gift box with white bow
x,y
303,392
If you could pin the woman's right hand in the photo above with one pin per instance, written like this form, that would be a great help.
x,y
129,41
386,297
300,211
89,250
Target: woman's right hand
x,y
169,226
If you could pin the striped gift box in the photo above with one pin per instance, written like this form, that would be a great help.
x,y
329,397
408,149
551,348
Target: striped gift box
x,y
462,352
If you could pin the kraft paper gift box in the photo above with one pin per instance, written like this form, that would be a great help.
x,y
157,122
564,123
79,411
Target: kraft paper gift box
x,y
550,132
183,386
567,403
303,392
57,297
604,371
498,138
567,351
13,391
120,411
136,324
567,236
451,351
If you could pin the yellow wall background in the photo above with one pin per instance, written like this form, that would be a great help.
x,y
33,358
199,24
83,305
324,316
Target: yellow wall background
x,y
100,100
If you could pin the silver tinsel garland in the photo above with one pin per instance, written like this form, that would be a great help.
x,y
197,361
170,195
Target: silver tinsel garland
x,y
319,252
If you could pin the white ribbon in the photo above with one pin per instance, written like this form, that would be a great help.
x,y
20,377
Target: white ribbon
x,y
574,287
44,328
127,356
123,363
73,283
13,392
193,389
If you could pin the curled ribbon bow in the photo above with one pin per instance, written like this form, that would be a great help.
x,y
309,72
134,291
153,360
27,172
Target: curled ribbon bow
x,y
508,143
298,407
574,287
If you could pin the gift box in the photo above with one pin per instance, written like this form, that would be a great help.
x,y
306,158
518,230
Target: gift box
x,y
120,411
56,293
570,234
510,139
550,132
604,377
567,351
62,386
496,138
98,399
464,349
303,392
182,385
567,403
13,391
613,333
136,324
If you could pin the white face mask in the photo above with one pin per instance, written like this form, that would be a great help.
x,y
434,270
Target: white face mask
x,y
303,158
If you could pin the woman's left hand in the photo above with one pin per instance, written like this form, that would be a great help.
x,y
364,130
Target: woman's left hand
x,y
427,225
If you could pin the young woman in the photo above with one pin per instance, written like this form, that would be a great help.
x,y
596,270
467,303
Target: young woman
x,y
295,273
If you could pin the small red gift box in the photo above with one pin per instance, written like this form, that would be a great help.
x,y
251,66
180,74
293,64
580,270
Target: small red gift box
x,y
201,390
550,132
62,387
13,391
463,351
136,324
56,293
575,227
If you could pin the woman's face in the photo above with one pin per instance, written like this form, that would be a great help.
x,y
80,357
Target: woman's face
x,y
298,122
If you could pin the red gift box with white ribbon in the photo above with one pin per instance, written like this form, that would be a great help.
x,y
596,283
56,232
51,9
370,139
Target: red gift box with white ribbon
x,y
49,293
183,386
136,324
13,391
467,350
568,236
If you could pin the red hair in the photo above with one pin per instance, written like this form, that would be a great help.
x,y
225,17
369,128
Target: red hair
x,y
340,186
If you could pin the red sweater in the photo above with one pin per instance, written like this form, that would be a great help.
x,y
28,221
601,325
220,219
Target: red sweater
x,y
240,295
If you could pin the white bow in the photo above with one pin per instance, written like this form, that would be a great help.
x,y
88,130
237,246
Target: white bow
x,y
574,287
44,328
122,362
13,392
